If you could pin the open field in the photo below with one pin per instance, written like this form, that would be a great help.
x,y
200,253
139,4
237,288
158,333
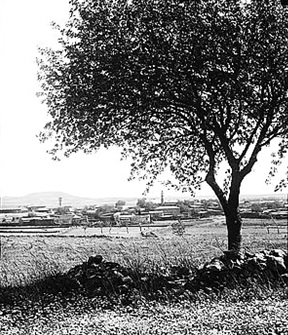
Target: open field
x,y
135,230
28,259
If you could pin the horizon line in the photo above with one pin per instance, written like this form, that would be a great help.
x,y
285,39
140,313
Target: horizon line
x,y
139,196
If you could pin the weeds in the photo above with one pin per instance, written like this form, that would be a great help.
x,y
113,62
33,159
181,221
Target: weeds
x,y
29,259
36,298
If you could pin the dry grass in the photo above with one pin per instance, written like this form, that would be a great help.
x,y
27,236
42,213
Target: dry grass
x,y
28,260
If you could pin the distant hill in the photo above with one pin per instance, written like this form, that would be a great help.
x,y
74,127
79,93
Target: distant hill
x,y
276,196
51,200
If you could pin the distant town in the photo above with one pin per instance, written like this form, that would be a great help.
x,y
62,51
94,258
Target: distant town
x,y
144,210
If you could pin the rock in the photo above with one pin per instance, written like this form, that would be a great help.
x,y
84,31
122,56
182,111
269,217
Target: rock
x,y
239,262
98,277
180,271
265,252
276,264
215,265
91,273
255,264
229,263
261,257
76,272
192,286
278,253
115,278
93,284
248,254
111,265
118,274
95,260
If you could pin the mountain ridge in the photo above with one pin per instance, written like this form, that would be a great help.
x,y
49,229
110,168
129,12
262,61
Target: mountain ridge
x,y
51,199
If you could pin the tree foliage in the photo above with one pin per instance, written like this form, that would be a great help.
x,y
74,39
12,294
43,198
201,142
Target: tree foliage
x,y
120,203
147,205
178,84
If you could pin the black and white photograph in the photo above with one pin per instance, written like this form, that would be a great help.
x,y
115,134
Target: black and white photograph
x,y
144,167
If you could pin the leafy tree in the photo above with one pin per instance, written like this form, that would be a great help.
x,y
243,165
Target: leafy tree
x,y
256,208
204,204
62,210
185,85
141,202
183,205
105,209
120,203
274,204
150,206
147,205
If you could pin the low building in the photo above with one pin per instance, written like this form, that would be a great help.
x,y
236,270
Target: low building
x,y
8,215
169,210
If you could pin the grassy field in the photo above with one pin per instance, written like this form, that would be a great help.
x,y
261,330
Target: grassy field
x,y
26,260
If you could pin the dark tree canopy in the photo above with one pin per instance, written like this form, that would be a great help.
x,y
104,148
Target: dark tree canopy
x,y
181,84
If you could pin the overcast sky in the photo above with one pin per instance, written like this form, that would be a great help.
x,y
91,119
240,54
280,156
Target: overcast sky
x,y
25,166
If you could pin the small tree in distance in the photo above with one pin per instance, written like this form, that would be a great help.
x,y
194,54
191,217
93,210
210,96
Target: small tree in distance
x,y
147,205
184,85
141,202
256,208
120,203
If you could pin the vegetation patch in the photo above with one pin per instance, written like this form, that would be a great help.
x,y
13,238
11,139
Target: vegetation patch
x,y
254,309
41,294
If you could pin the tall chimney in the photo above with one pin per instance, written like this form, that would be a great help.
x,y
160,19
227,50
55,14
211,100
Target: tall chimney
x,y
162,197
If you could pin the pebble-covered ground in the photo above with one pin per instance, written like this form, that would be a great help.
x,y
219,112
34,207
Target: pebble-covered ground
x,y
210,316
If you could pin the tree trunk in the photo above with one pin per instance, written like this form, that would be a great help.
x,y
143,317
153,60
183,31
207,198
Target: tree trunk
x,y
230,206
233,217
234,225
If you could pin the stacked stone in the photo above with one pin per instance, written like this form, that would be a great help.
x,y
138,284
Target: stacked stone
x,y
230,270
101,278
